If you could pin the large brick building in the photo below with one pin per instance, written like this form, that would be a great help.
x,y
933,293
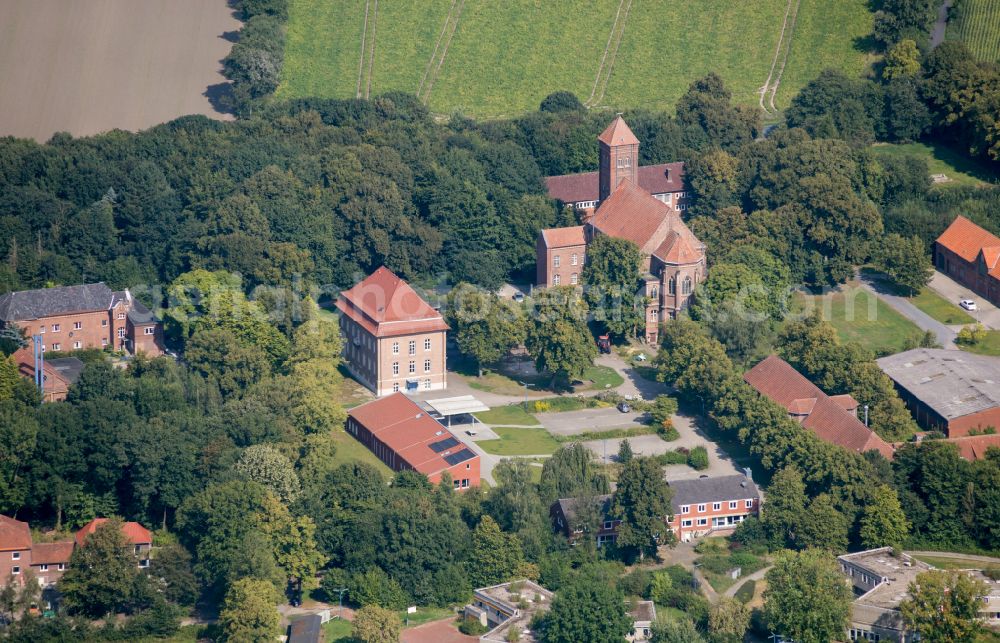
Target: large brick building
x,y
642,205
405,437
87,316
949,391
48,561
832,418
971,256
394,340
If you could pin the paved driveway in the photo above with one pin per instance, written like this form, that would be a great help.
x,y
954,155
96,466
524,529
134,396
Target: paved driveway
x,y
945,335
576,422
988,314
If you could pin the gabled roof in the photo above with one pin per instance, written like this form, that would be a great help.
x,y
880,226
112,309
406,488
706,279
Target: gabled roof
x,y
634,214
64,300
974,447
55,380
663,178
618,133
569,506
563,237
418,439
715,489
970,242
775,378
14,534
52,553
134,532
385,305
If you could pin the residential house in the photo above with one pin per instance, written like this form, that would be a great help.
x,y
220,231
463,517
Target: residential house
x,y
971,256
643,615
953,392
570,515
15,549
140,539
623,206
71,318
831,418
709,505
881,579
58,374
394,340
974,447
405,437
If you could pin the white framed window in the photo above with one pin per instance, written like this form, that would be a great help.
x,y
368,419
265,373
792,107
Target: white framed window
x,y
413,347
682,207
138,549
427,366
77,345
732,504
573,259
413,367
41,329
16,569
55,347
120,316
427,344
686,523
701,509
685,509
144,563
149,330
395,387
77,325
749,504
104,323
465,482
702,522
61,566
55,328
395,368
15,555
121,332
716,506
427,385
609,524
395,348
555,279
555,261
43,568
573,279
104,341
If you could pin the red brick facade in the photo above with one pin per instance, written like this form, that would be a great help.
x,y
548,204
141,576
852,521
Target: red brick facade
x,y
971,256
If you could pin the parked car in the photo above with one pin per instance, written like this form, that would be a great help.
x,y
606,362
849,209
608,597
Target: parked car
x,y
624,407
641,357
968,304
519,297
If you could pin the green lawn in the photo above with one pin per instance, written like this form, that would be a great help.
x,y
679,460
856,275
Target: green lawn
x,y
745,593
603,377
520,441
951,563
350,450
989,346
977,22
940,308
942,160
492,59
510,414
861,317
337,631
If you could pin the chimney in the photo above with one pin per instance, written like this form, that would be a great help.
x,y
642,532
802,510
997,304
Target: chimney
x,y
666,172
748,473
586,215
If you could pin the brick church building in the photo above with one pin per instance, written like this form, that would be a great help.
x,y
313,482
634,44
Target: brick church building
x,y
641,204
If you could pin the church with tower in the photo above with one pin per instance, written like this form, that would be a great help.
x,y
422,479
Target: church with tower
x,y
624,200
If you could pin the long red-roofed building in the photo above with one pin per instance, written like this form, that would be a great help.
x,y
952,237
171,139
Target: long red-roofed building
x,y
831,418
970,255
394,340
405,437
619,202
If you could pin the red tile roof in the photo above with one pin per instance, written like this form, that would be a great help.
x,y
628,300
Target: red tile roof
x,y
776,379
14,534
563,237
634,214
655,179
54,382
974,447
52,553
618,133
969,241
385,306
400,424
134,532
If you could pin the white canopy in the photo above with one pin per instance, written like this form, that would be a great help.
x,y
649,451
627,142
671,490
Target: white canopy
x,y
461,405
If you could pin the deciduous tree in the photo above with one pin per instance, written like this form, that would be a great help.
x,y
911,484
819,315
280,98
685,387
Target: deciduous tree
x,y
642,503
495,556
249,612
374,624
611,277
883,521
587,612
944,606
806,598
728,621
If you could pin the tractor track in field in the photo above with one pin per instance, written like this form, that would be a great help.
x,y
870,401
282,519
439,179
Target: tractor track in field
x,y
781,51
440,51
607,64
364,48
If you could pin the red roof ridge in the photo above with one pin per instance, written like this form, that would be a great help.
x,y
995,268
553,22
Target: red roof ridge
x,y
133,531
966,239
618,133
384,299
14,534
563,237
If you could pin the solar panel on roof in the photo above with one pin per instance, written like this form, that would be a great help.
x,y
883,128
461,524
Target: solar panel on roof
x,y
460,456
448,443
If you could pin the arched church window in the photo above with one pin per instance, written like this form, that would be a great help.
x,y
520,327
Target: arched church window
x,y
672,286
686,287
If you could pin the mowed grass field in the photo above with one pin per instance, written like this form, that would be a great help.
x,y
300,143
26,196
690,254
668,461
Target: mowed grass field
x,y
978,25
488,59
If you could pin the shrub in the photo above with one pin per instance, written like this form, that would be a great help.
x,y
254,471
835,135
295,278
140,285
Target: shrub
x,y
635,583
375,587
662,409
971,335
472,627
698,458
671,457
667,432
541,407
